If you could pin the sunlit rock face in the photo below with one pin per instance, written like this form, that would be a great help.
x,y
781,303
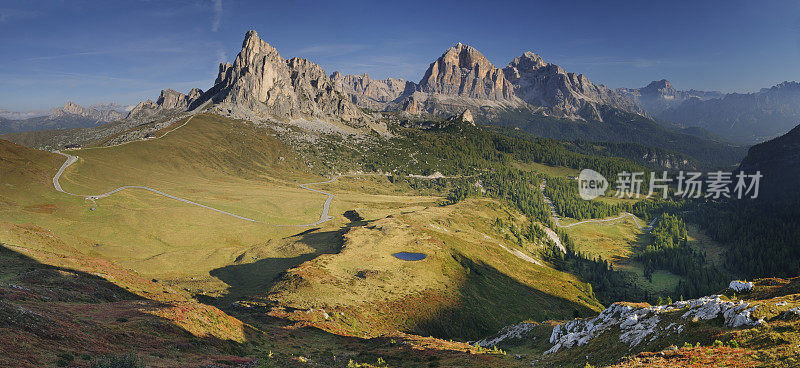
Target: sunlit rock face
x,y
267,84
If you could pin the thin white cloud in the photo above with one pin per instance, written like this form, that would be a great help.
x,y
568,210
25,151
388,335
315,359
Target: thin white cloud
x,y
217,19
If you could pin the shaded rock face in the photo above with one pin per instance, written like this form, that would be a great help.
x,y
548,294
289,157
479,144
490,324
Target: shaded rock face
x,y
463,71
261,81
661,95
574,95
171,99
371,93
662,88
746,118
777,161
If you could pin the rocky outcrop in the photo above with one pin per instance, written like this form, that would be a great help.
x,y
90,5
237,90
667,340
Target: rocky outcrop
x,y
643,324
466,116
639,324
169,102
171,99
740,286
144,110
573,95
263,82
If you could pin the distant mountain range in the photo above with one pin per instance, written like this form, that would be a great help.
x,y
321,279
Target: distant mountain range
x,y
73,124
528,94
661,95
743,118
68,116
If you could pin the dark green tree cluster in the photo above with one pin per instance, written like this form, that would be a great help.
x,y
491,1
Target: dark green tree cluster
x,y
762,237
669,250
457,194
608,284
564,194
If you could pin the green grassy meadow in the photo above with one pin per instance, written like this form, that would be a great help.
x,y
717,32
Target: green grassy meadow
x,y
468,279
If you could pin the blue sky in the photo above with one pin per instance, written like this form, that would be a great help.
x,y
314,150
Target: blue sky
x,y
126,51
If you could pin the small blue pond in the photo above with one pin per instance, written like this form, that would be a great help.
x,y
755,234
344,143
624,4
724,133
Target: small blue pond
x,y
407,256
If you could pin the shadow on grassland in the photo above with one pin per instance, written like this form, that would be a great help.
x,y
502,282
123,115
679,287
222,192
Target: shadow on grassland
x,y
45,310
489,300
256,279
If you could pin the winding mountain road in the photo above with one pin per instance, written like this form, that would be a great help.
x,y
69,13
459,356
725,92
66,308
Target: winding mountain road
x,y
554,213
324,216
72,159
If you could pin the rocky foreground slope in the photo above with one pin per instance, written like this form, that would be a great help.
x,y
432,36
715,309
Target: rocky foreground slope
x,y
757,321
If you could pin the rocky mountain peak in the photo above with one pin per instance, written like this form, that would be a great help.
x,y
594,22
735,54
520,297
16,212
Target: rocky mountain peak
x,y
463,71
262,82
172,99
70,108
465,56
658,88
253,46
786,86
527,62
73,111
